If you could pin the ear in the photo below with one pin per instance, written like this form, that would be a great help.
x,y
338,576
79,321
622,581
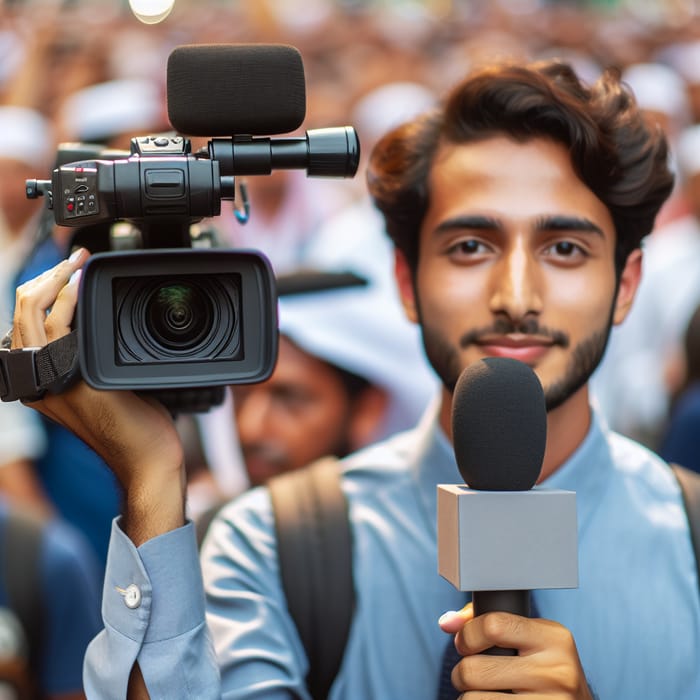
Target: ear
x,y
629,282
404,283
367,415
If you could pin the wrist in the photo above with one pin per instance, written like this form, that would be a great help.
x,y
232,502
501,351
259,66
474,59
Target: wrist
x,y
154,505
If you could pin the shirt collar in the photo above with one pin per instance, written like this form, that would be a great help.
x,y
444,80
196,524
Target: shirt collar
x,y
434,460
586,472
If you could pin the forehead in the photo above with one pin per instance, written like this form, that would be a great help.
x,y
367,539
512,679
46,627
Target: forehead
x,y
510,180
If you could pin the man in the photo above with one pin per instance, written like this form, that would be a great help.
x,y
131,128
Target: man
x,y
339,382
639,373
517,210
49,606
26,148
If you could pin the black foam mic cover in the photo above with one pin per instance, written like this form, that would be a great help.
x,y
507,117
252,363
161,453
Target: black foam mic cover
x,y
229,89
499,425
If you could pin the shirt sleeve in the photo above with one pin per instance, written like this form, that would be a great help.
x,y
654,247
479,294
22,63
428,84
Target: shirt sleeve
x,y
153,613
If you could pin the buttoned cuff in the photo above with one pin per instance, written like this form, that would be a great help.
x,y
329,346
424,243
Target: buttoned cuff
x,y
167,564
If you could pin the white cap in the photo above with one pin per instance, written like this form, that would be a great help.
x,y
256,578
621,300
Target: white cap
x,y
133,107
26,136
659,88
389,105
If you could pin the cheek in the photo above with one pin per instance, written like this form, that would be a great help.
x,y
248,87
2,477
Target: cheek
x,y
447,293
581,299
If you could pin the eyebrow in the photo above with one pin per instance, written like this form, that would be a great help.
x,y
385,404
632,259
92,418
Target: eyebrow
x,y
555,222
561,222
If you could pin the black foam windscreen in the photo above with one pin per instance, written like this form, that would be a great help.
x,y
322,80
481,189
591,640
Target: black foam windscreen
x,y
229,89
499,425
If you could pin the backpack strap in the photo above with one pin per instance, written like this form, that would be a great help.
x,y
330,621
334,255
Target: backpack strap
x,y
21,563
314,546
690,489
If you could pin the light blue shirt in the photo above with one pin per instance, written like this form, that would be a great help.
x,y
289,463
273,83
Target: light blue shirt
x,y
635,616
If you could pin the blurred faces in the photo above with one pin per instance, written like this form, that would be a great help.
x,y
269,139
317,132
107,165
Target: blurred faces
x,y
516,259
303,412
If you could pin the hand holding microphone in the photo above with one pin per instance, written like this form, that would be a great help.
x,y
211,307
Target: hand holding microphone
x,y
500,538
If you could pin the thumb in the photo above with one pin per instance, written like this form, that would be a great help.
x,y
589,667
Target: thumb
x,y
453,620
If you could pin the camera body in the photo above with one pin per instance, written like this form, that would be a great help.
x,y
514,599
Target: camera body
x,y
165,317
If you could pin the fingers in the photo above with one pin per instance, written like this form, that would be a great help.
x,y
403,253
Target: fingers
x,y
58,322
498,629
36,297
453,620
547,660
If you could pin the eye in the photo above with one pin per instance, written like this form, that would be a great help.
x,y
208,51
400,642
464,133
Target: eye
x,y
468,248
565,250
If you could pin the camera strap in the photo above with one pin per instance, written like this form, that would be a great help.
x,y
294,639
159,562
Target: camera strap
x,y
26,374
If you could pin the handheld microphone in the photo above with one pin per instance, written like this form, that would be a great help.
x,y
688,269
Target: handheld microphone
x,y
498,537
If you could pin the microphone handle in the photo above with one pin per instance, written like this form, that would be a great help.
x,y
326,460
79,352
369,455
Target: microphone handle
x,y
516,602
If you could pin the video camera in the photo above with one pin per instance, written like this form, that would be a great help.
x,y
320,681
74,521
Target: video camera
x,y
168,318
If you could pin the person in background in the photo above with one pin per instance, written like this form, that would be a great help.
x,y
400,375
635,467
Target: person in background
x,y
680,441
637,377
49,606
339,384
26,151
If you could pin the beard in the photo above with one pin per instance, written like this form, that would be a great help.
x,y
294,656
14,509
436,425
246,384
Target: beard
x,y
585,357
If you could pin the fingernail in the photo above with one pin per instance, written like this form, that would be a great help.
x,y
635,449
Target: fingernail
x,y
447,616
75,277
75,255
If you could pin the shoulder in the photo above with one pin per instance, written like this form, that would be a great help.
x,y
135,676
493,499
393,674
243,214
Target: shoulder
x,y
250,517
383,461
642,469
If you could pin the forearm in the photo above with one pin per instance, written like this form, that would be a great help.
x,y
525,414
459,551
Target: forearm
x,y
154,504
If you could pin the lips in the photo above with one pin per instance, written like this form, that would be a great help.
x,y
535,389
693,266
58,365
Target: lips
x,y
517,346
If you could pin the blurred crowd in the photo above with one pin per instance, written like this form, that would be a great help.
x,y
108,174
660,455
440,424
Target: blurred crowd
x,y
88,71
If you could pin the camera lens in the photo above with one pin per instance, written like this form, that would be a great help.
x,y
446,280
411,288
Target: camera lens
x,y
178,315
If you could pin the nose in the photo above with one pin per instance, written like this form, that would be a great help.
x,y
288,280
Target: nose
x,y
516,284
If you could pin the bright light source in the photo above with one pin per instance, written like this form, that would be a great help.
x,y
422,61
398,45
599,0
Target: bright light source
x,y
151,11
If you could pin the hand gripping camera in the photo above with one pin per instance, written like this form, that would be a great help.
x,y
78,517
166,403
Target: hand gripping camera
x,y
168,318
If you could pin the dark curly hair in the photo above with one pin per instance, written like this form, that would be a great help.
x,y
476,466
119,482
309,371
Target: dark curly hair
x,y
613,150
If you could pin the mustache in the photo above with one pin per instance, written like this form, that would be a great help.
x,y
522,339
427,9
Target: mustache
x,y
506,326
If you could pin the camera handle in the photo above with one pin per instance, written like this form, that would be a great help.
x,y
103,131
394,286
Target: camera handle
x,y
26,374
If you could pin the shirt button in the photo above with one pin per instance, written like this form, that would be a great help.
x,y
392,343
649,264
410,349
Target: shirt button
x,y
132,596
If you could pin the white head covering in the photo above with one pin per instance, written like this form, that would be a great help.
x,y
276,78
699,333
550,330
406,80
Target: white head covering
x,y
132,106
26,136
363,331
387,106
360,329
661,89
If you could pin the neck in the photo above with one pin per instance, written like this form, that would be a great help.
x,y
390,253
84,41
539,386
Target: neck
x,y
567,426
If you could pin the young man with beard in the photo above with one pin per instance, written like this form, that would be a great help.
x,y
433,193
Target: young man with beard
x,y
517,210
